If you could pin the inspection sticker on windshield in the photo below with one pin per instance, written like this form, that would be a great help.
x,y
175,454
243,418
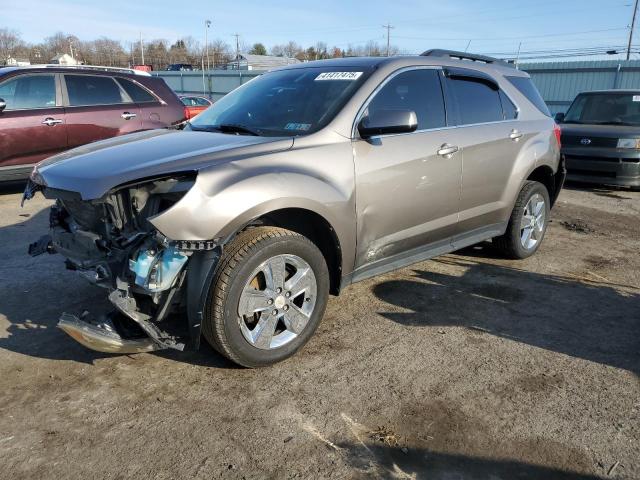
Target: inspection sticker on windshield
x,y
636,98
297,126
338,76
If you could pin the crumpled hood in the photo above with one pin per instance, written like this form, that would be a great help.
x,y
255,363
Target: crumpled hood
x,y
94,169
607,131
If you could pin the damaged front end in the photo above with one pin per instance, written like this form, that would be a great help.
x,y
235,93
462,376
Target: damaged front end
x,y
111,242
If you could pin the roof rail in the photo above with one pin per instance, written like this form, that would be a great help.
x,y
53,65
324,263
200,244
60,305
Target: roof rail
x,y
452,54
93,67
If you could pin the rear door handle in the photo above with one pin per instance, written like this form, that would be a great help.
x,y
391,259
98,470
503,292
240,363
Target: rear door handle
x,y
128,115
50,122
447,150
515,135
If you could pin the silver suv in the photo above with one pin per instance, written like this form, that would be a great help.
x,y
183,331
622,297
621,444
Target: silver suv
x,y
292,187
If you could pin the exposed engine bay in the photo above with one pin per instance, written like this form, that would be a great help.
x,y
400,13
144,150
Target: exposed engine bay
x,y
112,244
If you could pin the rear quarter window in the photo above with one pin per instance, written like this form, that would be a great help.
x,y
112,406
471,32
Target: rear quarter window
x,y
526,87
137,93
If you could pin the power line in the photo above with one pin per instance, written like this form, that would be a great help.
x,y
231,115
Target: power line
x,y
521,37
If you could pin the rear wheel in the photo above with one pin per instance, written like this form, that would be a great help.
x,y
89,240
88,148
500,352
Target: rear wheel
x,y
267,298
528,222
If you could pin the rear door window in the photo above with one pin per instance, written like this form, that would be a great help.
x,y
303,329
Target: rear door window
x,y
478,100
29,92
509,110
137,93
418,90
86,90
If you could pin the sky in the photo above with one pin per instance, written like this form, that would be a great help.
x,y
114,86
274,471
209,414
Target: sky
x,y
482,26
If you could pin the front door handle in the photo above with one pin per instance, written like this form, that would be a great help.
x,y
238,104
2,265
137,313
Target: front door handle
x,y
51,122
128,115
515,134
447,150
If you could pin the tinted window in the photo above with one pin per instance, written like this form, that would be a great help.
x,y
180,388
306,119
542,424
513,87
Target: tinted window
x,y
289,102
418,90
478,101
29,91
509,110
88,90
195,102
605,108
529,90
136,92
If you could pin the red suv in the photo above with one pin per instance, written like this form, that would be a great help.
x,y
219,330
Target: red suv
x,y
47,109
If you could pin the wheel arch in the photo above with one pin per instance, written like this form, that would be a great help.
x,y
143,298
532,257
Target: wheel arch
x,y
545,175
312,225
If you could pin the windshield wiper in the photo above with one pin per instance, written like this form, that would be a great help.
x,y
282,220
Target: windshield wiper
x,y
227,128
236,128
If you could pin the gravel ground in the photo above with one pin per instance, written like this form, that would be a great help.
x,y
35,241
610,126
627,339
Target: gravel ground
x,y
467,366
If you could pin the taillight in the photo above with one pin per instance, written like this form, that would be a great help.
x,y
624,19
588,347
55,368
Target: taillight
x,y
187,113
558,134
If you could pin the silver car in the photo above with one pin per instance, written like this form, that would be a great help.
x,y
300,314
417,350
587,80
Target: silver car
x,y
292,187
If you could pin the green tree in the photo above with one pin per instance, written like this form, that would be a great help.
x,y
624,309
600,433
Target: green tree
x,y
258,49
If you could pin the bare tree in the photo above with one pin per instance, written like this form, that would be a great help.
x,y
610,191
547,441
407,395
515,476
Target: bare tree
x,y
10,41
221,52
278,50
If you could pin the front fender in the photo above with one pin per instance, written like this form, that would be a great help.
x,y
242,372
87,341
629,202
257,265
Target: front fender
x,y
228,197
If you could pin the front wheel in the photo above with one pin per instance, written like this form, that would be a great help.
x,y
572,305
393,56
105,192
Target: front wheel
x,y
528,222
267,298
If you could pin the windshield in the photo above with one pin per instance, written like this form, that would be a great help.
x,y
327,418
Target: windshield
x,y
284,103
605,109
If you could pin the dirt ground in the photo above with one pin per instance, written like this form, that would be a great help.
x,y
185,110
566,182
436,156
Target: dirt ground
x,y
468,366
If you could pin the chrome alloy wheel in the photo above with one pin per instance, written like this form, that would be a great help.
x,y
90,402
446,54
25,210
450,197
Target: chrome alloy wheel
x,y
532,225
277,301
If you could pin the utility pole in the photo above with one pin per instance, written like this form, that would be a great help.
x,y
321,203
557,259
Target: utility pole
x,y
388,26
141,49
633,24
237,35
207,24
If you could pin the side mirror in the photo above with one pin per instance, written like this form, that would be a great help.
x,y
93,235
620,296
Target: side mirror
x,y
559,117
3,104
384,122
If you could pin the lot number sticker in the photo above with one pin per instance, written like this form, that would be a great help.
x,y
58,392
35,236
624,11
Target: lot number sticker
x,y
636,98
338,76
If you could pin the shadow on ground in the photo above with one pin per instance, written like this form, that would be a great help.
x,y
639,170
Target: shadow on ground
x,y
589,320
382,461
610,191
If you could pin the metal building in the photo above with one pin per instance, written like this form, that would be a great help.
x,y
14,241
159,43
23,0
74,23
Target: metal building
x,y
246,61
560,82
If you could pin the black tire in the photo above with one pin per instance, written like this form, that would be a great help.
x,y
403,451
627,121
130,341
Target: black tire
x,y
240,258
509,244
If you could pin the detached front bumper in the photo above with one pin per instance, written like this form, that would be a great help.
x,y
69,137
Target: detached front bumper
x,y
104,337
